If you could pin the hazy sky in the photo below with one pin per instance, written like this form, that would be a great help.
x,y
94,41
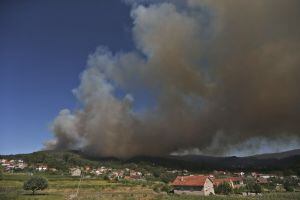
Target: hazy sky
x,y
44,46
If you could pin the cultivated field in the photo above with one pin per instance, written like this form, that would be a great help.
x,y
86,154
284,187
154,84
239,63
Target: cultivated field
x,y
61,188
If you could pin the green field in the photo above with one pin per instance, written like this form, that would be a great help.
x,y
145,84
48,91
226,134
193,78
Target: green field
x,y
61,188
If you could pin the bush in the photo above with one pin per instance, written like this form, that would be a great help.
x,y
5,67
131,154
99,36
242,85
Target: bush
x,y
35,183
106,177
289,184
167,177
257,188
253,187
239,190
156,188
166,188
289,188
224,188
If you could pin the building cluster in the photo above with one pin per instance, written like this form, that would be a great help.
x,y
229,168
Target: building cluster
x,y
10,165
13,165
205,184
109,173
264,178
185,182
181,172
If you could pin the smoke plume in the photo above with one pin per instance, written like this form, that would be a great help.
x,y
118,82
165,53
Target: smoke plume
x,y
217,74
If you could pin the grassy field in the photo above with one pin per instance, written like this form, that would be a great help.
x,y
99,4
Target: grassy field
x,y
61,188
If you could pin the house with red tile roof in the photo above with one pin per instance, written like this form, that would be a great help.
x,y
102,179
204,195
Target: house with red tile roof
x,y
193,185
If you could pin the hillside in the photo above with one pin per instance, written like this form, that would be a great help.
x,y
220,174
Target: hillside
x,y
64,159
279,155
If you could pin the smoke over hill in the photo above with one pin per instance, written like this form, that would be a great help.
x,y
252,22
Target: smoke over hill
x,y
224,74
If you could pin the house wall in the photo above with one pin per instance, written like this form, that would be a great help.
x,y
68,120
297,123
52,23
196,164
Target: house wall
x,y
189,192
76,172
208,188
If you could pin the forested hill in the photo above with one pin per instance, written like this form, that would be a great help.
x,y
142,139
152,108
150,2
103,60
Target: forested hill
x,y
66,159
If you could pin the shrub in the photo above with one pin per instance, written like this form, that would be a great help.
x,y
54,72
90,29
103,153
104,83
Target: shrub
x,y
289,188
35,183
167,177
257,188
166,188
106,177
224,188
156,188
289,184
239,190
253,187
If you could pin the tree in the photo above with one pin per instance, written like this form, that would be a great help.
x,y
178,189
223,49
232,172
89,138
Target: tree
x,y
1,173
224,188
156,172
290,183
257,188
167,177
35,183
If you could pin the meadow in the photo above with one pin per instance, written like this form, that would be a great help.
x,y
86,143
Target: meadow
x,y
61,188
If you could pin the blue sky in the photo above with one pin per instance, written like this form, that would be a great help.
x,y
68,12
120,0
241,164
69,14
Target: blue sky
x,y
43,48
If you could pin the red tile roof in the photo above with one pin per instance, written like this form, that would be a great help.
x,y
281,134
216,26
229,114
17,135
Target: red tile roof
x,y
198,180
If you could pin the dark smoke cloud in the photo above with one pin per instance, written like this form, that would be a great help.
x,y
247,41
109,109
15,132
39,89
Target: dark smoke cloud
x,y
225,74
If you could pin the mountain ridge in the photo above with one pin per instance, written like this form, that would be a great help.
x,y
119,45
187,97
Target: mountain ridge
x,y
277,161
276,155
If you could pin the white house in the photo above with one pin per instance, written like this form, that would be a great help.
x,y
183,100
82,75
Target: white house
x,y
41,168
75,172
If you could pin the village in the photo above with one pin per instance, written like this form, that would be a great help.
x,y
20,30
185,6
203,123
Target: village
x,y
180,182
